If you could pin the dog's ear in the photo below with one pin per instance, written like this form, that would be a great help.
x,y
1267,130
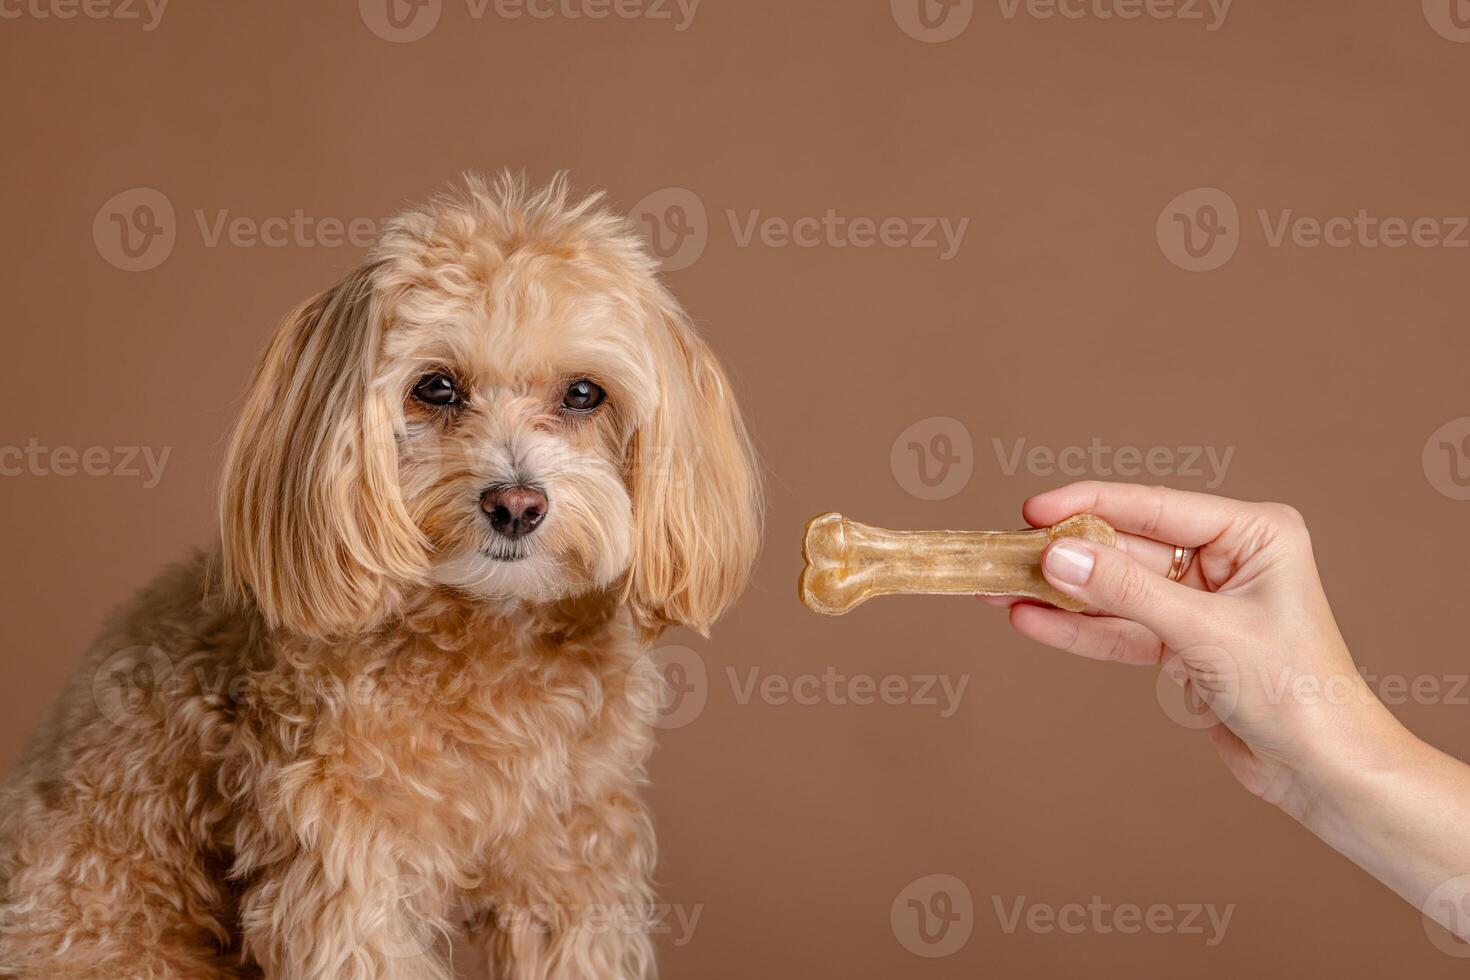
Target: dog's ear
x,y
697,502
313,525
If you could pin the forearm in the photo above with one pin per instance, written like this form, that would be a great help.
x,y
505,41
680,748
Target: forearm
x,y
1397,807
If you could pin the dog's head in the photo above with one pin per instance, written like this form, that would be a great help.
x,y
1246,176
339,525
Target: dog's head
x,y
503,400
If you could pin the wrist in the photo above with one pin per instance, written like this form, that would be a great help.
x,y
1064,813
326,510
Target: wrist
x,y
1348,769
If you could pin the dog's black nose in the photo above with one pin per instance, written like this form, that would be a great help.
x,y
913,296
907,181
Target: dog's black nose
x,y
515,511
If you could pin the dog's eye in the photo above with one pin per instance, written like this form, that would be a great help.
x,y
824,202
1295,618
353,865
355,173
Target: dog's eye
x,y
583,396
436,389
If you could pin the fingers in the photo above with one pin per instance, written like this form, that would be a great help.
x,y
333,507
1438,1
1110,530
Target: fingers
x,y
1156,556
1153,555
1094,637
1175,516
1119,585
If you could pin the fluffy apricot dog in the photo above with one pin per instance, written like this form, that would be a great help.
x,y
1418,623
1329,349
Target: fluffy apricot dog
x,y
403,705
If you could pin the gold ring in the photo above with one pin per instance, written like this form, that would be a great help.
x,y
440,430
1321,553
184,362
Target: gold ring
x,y
1183,558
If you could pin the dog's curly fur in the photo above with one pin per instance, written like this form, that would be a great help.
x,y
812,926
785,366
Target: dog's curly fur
x,y
365,724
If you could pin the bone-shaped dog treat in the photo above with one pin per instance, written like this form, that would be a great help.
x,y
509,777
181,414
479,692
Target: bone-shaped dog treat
x,y
848,563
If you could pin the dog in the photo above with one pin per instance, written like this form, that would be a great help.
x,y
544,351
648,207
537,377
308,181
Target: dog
x,y
405,702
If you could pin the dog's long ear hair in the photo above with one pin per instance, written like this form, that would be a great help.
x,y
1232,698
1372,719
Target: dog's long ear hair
x,y
313,526
697,503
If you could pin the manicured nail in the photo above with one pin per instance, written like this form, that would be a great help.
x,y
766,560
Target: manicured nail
x,y
1070,562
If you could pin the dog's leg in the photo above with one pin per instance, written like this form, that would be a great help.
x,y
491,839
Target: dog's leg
x,y
96,886
585,913
97,916
347,909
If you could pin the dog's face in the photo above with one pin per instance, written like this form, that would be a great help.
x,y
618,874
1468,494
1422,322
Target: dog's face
x,y
524,380
504,401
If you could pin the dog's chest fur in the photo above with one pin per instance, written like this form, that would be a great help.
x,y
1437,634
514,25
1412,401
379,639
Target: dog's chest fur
x,y
479,733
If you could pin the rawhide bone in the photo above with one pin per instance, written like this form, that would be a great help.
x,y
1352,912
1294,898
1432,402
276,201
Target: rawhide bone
x,y
848,563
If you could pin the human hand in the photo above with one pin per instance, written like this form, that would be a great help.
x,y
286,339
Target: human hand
x,y
1248,627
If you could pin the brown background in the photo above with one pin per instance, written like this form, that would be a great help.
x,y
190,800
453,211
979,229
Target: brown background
x,y
1059,321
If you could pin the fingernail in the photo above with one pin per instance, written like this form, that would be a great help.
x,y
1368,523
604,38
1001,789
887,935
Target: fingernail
x,y
1070,562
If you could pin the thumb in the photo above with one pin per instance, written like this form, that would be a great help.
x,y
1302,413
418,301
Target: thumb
x,y
1114,582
